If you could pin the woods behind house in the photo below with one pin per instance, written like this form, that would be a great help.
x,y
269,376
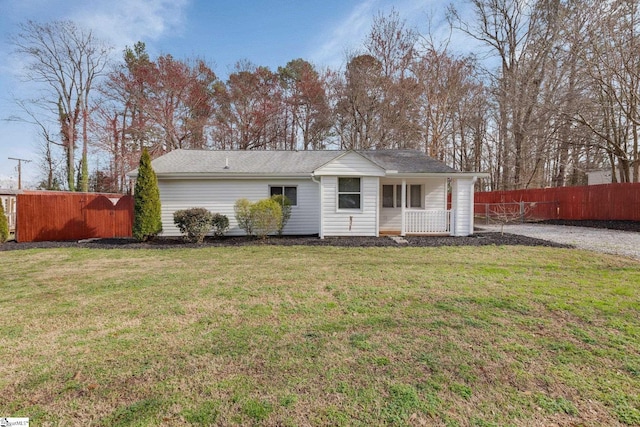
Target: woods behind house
x,y
551,92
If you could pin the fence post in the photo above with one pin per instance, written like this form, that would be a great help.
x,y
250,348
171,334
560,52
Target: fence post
x,y
486,212
521,211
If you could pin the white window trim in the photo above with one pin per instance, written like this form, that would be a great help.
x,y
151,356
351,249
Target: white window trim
x,y
338,192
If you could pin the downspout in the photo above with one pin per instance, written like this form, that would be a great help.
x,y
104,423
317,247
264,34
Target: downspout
x,y
319,182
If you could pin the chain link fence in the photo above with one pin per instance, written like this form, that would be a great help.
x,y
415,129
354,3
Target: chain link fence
x,y
510,212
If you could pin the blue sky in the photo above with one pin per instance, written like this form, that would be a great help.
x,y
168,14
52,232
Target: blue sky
x,y
268,32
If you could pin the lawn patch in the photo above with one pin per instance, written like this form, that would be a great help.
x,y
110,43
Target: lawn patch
x,y
270,335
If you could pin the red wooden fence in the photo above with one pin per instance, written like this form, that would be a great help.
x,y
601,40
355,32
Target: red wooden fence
x,y
72,216
593,202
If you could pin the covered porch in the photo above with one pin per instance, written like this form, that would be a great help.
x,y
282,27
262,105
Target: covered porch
x,y
425,205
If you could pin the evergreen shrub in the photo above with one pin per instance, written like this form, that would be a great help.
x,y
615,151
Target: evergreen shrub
x,y
146,212
4,225
194,223
220,224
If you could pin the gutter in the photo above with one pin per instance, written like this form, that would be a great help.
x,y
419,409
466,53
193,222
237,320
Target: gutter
x,y
227,175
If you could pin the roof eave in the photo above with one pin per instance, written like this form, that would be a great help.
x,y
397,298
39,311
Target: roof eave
x,y
437,175
231,175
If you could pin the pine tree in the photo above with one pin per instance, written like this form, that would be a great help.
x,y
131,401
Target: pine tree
x,y
146,211
4,225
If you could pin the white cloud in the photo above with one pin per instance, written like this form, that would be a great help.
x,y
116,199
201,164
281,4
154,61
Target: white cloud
x,y
346,35
124,22
349,33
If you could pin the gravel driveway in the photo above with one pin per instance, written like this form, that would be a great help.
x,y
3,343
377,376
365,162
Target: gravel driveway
x,y
626,243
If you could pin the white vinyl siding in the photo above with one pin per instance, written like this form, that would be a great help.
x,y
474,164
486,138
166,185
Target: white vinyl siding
x,y
350,164
348,222
435,193
462,206
219,196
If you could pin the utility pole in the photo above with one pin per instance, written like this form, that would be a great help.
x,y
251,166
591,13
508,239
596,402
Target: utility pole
x,y
19,169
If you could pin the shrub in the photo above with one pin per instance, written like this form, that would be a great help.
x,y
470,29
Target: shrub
x,y
4,225
193,223
146,211
260,219
285,205
267,217
242,209
220,224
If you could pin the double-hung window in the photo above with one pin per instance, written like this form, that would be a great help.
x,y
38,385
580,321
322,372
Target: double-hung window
x,y
290,193
349,193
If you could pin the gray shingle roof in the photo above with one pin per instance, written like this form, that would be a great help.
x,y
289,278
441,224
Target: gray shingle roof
x,y
241,162
406,161
195,162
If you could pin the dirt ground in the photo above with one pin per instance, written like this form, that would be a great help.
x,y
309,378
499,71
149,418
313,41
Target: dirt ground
x,y
478,239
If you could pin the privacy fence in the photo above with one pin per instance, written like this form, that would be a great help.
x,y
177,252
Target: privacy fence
x,y
72,216
593,202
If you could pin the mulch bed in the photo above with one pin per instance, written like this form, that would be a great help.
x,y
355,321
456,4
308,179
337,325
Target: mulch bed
x,y
478,239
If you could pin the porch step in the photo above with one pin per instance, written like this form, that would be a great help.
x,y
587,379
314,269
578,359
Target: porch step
x,y
399,240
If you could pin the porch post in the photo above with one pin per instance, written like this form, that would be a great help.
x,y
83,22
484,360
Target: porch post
x,y
403,202
453,216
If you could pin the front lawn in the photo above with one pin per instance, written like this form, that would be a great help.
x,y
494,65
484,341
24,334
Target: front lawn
x,y
272,335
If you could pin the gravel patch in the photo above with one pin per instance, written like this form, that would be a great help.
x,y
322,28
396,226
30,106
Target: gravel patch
x,y
609,241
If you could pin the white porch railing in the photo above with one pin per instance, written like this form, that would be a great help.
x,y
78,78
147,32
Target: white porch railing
x,y
430,221
11,221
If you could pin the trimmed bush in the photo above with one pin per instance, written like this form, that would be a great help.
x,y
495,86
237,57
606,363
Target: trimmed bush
x,y
285,205
267,217
193,223
220,224
4,225
242,209
259,219
146,211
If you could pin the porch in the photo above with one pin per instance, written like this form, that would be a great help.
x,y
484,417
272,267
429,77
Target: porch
x,y
415,207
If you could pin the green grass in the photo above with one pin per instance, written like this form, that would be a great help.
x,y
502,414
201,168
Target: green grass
x,y
289,336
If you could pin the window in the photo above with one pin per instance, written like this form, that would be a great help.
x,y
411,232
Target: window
x,y
392,196
415,196
290,193
387,196
349,193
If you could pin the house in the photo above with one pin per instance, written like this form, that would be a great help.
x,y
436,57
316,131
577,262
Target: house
x,y
605,176
9,203
333,193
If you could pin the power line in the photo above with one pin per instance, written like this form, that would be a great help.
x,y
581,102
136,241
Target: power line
x,y
19,169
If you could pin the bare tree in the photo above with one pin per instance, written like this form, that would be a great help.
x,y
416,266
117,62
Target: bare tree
x,y
360,103
307,108
66,61
521,34
612,65
249,110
